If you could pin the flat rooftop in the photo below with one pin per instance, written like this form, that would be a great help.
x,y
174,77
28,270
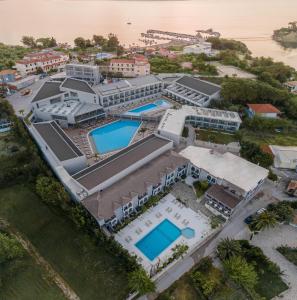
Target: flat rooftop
x,y
174,119
57,140
227,166
198,85
103,204
103,170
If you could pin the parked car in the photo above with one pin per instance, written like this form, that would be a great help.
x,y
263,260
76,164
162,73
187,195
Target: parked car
x,y
248,220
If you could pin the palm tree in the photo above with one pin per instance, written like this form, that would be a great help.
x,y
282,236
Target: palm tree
x,y
138,281
228,248
143,130
265,220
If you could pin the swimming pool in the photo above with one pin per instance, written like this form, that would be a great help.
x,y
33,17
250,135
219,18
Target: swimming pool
x,y
114,136
148,107
158,239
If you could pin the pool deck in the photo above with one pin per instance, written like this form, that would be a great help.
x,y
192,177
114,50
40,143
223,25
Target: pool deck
x,y
173,210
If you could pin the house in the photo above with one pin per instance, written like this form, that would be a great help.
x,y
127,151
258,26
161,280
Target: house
x,y
174,120
22,83
284,157
44,60
129,90
89,73
263,110
203,47
291,86
7,76
69,102
220,200
134,67
238,176
193,91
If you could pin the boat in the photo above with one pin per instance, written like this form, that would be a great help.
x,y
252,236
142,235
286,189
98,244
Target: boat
x,y
129,23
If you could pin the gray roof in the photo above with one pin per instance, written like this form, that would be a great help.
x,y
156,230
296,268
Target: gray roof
x,y
198,85
103,204
57,140
48,89
220,194
103,170
78,85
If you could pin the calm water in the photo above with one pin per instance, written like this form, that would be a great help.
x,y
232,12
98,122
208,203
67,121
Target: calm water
x,y
251,21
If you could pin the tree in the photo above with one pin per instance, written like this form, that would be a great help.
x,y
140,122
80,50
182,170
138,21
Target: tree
x,y
47,42
139,281
10,248
179,250
28,41
282,210
51,191
80,42
112,42
99,40
228,248
241,272
265,220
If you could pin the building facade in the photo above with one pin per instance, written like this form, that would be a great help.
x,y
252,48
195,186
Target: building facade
x,y
134,67
46,61
130,90
263,110
88,73
203,47
192,91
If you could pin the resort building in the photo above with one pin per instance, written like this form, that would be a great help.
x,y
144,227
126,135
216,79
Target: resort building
x,y
89,73
238,176
193,91
263,110
129,90
220,200
284,157
174,120
45,60
57,148
134,67
203,47
69,102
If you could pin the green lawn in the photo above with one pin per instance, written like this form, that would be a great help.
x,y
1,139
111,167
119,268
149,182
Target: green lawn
x,y
88,268
289,253
25,280
217,137
261,138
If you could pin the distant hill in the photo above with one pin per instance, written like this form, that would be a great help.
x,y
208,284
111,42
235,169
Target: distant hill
x,y
287,36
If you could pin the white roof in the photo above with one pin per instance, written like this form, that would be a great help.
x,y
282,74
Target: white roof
x,y
173,120
285,156
227,166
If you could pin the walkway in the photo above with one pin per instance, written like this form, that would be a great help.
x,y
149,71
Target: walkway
x,y
268,240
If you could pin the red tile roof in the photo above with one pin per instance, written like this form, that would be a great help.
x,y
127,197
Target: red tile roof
x,y
122,61
263,108
5,72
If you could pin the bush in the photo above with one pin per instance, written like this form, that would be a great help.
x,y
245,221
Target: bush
x,y
201,187
272,176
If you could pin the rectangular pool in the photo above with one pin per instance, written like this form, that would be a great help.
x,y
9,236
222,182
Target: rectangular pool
x,y
158,104
158,239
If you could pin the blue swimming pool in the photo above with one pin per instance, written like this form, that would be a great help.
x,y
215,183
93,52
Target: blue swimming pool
x,y
157,240
114,136
148,107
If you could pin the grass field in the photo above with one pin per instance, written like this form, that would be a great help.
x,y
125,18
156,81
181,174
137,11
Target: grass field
x,y
90,271
25,280
289,253
217,137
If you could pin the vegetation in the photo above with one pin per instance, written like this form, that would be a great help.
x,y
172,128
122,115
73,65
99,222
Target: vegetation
x,y
252,270
266,219
200,188
228,248
226,44
109,44
289,253
138,281
10,248
283,211
185,132
287,36
217,137
10,54
216,221
253,153
272,176
164,65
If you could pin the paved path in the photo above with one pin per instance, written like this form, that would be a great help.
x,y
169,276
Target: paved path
x,y
268,240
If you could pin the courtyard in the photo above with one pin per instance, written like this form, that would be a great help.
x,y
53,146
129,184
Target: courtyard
x,y
181,220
